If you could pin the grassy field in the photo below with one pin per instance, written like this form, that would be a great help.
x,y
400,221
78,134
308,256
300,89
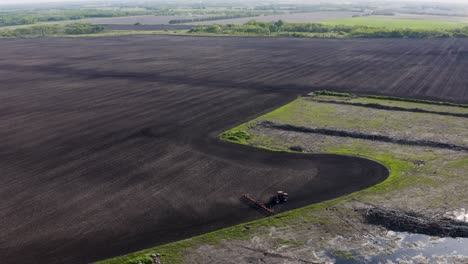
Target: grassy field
x,y
391,23
422,178
401,124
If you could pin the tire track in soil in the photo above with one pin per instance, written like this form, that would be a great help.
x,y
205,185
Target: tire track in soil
x,y
440,62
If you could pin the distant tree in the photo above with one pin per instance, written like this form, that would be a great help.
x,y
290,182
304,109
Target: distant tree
x,y
274,27
251,22
82,28
279,24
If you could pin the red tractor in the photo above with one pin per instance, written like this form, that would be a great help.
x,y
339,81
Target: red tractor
x,y
266,209
278,198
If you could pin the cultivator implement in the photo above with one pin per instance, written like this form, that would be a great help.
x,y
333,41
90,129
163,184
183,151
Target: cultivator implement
x,y
259,206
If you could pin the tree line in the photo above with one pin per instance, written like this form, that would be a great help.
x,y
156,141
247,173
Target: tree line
x,y
32,17
44,30
281,28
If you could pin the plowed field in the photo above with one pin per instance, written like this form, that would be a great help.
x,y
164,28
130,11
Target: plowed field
x,y
110,145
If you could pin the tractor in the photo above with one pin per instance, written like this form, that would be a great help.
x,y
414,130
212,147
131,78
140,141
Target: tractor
x,y
278,198
266,209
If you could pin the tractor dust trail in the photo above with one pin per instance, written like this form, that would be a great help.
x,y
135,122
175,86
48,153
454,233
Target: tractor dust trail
x,y
110,145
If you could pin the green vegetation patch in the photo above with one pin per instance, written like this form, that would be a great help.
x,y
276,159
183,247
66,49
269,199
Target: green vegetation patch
x,y
252,28
141,260
403,103
336,30
47,30
395,124
331,93
412,100
77,30
236,136
391,23
344,254
82,28
35,16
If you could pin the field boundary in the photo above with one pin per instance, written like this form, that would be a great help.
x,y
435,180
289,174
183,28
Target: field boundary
x,y
385,97
356,135
392,108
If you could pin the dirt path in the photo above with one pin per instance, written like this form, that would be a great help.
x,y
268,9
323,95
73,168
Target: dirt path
x,y
110,144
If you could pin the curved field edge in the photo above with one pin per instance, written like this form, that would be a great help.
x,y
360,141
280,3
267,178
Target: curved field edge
x,y
174,252
398,167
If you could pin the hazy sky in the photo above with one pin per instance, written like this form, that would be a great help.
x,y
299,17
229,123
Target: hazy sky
x,y
34,1
39,1
58,1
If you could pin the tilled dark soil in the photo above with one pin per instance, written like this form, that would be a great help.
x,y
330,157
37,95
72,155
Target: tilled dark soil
x,y
109,145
